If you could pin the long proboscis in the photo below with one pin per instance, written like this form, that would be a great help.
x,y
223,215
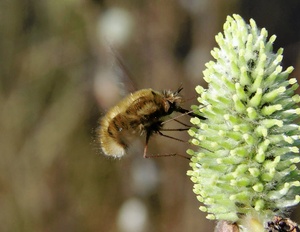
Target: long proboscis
x,y
183,113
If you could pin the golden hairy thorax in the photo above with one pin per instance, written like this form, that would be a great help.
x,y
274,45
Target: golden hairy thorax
x,y
138,113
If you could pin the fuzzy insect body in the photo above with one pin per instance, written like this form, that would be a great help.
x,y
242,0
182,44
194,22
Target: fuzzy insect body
x,y
141,112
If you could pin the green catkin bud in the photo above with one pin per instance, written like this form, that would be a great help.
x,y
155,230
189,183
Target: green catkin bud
x,y
244,169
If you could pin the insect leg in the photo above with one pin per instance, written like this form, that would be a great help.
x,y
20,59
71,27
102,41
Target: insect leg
x,y
182,123
176,120
176,129
183,113
158,155
170,137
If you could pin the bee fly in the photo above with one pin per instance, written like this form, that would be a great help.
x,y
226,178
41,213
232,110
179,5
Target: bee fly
x,y
141,112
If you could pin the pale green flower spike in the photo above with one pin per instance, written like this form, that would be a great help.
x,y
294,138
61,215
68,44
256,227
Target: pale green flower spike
x,y
246,161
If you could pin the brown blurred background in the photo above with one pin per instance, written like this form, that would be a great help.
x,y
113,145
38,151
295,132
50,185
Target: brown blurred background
x,y
59,76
